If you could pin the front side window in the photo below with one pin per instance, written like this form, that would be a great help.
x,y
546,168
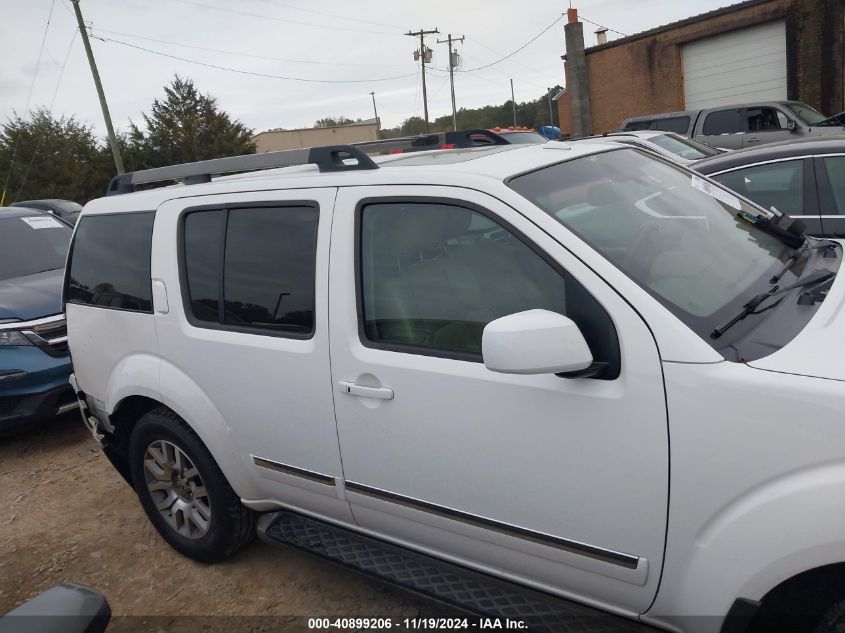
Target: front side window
x,y
723,122
110,262
835,166
434,274
32,244
682,238
252,268
765,120
778,186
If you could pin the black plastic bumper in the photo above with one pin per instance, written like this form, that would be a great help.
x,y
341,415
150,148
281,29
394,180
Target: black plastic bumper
x,y
19,412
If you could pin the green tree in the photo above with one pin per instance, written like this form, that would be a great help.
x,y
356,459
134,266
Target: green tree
x,y
53,158
183,127
334,121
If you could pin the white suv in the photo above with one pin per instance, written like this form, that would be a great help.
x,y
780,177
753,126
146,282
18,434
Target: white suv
x,y
564,375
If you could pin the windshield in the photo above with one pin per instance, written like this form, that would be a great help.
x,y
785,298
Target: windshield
x,y
807,114
675,233
683,147
32,244
524,137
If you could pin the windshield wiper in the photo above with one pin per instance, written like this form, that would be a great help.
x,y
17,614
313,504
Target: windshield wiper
x,y
815,277
796,255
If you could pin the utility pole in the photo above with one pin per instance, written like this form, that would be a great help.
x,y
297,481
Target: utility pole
x,y
115,150
423,53
551,112
375,112
453,62
513,103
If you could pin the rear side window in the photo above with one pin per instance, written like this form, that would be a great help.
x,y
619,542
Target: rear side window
x,y
835,166
110,262
678,124
634,126
723,122
252,269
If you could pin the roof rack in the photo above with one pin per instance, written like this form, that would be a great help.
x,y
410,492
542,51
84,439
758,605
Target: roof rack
x,y
476,137
329,158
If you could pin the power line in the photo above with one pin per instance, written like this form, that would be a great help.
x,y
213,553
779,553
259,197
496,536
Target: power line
x,y
240,54
43,136
509,55
277,19
601,27
28,99
248,72
331,15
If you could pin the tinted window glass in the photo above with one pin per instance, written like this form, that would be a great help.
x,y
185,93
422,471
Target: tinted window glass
x,y
779,185
723,122
110,264
835,166
433,275
203,255
32,244
634,126
679,124
270,268
765,120
683,147
675,234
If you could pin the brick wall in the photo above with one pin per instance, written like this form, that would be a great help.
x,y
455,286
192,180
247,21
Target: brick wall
x,y
644,75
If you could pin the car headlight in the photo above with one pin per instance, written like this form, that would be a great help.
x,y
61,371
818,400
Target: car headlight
x,y
13,337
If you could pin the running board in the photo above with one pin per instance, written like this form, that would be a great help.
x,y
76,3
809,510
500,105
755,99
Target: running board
x,y
466,589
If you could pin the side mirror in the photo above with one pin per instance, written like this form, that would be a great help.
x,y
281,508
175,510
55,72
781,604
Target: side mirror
x,y
65,608
792,126
535,342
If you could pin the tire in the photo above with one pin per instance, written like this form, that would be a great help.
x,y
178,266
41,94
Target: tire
x,y
184,493
833,621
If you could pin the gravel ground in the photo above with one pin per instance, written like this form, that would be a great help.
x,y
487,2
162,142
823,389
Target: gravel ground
x,y
67,516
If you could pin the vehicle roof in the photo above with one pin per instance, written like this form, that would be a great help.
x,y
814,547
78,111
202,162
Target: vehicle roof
x,y
476,167
666,115
641,134
805,146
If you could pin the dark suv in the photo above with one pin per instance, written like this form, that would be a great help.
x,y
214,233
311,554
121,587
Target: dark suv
x,y
34,358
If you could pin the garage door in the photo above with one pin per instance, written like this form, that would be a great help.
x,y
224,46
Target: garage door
x,y
741,66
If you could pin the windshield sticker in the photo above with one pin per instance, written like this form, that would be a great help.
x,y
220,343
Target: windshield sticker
x,y
43,222
715,192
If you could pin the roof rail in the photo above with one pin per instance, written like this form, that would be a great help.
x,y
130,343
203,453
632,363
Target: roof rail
x,y
434,140
329,158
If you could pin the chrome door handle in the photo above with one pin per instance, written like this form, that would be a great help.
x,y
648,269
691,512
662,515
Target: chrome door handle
x,y
753,139
380,393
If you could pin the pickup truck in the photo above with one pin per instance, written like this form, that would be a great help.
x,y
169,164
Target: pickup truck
x,y
743,125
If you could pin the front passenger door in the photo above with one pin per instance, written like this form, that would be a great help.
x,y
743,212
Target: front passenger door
x,y
561,482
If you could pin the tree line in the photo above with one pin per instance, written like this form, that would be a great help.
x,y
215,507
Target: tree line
x,y
45,156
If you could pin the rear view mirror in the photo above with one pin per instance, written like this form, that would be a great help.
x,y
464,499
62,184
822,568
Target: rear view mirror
x,y
534,342
63,609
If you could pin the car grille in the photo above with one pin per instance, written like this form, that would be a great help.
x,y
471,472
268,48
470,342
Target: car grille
x,y
52,337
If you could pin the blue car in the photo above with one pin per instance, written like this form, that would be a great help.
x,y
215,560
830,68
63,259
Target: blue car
x,y
34,358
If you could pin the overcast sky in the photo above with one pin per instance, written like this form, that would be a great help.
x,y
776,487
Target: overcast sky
x,y
333,40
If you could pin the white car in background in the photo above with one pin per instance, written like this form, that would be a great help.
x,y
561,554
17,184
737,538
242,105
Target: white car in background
x,y
681,149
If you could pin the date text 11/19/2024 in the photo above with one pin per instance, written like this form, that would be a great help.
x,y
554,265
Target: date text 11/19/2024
x,y
416,624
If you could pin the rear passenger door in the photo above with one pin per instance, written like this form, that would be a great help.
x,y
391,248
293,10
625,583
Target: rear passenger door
x,y
723,128
244,339
561,482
